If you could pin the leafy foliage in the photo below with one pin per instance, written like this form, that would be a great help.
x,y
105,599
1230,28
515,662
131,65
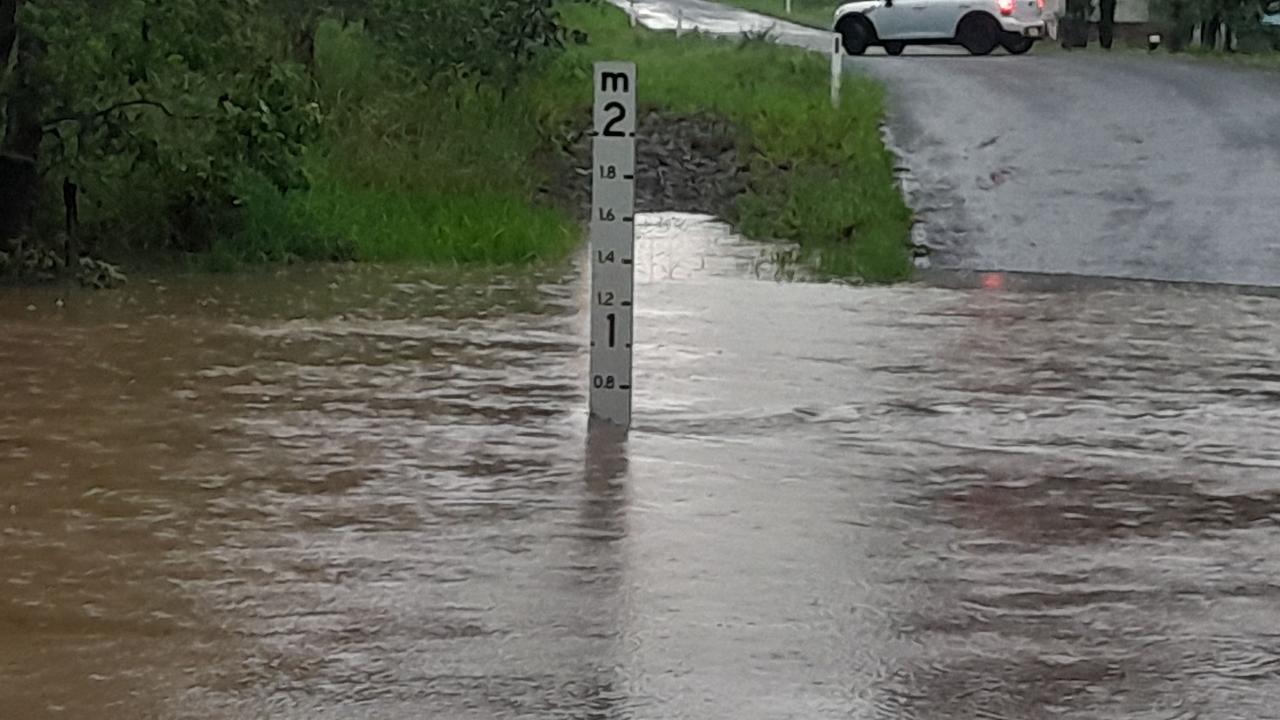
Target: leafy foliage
x,y
161,111
465,38
177,95
1242,17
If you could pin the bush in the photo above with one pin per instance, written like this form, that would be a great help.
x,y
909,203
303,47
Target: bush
x,y
166,115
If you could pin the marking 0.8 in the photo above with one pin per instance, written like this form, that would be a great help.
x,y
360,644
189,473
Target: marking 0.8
x,y
612,241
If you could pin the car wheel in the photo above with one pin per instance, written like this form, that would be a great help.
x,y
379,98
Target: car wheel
x,y
979,34
1016,44
854,36
893,47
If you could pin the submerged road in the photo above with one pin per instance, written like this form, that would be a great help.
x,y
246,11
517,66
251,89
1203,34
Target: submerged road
x,y
1122,165
365,494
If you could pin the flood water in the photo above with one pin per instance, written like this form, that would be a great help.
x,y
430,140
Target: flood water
x,y
369,493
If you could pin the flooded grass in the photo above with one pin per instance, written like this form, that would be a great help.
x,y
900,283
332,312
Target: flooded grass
x,y
820,178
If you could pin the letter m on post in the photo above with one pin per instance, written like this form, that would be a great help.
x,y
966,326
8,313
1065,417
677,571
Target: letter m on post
x,y
615,82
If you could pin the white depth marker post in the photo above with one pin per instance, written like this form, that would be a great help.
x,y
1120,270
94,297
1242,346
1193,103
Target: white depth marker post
x,y
837,69
613,235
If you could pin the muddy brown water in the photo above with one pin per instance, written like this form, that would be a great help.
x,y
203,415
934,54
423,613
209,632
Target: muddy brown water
x,y
367,493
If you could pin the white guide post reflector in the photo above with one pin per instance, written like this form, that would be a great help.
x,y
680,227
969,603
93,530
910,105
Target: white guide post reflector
x,y
613,241
837,69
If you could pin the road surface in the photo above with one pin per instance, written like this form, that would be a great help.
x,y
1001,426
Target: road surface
x,y
1123,165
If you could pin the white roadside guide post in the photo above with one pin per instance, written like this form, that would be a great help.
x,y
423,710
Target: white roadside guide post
x,y
631,11
837,69
788,7
613,235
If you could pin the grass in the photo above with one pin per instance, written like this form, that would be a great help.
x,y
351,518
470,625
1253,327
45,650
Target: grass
x,y
449,174
406,173
1260,61
821,178
815,13
1264,60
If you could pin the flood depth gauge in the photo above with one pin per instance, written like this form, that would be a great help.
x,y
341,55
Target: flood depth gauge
x,y
613,235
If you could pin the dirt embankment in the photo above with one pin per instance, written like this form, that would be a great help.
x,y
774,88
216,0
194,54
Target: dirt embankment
x,y
684,163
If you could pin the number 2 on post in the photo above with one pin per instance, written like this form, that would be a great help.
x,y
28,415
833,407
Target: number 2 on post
x,y
622,115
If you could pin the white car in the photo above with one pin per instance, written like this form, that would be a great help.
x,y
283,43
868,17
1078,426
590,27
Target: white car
x,y
977,25
1271,13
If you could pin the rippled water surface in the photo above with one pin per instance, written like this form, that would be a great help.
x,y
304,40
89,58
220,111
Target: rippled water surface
x,y
369,493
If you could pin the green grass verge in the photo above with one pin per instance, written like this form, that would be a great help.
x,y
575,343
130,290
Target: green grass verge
x,y
406,173
1258,60
448,175
814,13
821,178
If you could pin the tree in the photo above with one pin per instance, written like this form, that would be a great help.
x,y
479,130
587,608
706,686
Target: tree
x,y
156,110
1075,25
105,92
1184,16
491,39
20,145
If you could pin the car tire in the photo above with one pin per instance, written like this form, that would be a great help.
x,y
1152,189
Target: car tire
x,y
1016,44
894,47
855,36
979,34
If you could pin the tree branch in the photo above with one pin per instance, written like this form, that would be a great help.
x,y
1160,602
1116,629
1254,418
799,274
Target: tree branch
x,y
89,117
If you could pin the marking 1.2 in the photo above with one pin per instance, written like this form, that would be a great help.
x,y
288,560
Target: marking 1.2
x,y
612,241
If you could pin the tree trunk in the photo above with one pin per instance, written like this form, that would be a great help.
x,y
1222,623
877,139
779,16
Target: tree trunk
x,y
303,42
1209,35
71,210
22,133
8,29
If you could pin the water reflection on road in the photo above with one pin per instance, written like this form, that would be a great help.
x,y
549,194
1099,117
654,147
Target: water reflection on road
x,y
366,492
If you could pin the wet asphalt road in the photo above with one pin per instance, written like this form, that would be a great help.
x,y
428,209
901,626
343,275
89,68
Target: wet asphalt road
x,y
1124,166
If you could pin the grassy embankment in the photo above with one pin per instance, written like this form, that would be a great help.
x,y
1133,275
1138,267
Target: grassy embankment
x,y
814,13
408,173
